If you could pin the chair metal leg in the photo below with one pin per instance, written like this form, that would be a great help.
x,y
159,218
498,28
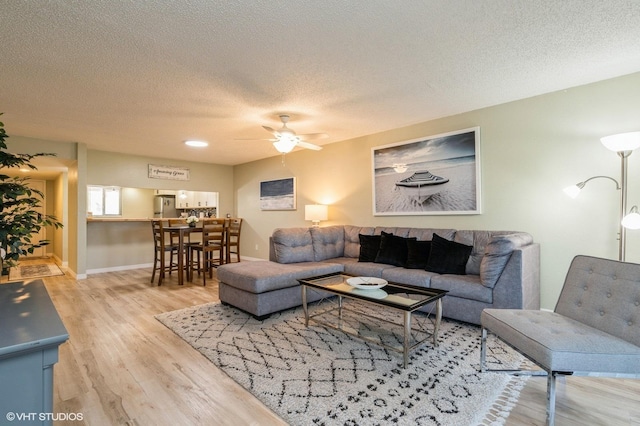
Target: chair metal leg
x,y
551,397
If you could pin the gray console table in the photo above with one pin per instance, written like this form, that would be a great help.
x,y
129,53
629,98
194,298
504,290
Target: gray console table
x,y
30,333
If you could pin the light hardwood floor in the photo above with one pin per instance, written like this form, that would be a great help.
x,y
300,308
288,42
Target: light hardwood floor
x,y
123,367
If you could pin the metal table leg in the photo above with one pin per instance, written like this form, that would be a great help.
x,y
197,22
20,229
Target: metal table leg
x,y
436,326
304,305
407,336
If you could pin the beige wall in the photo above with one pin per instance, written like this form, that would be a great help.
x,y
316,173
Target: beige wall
x,y
530,150
108,168
124,245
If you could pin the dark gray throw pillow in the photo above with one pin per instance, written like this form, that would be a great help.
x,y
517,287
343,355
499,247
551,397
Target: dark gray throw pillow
x,y
393,250
417,254
448,257
369,246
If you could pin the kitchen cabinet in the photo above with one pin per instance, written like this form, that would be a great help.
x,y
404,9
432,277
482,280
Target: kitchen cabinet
x,y
196,200
206,199
185,199
165,192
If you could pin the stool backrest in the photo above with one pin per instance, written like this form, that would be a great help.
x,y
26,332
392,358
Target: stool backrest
x,y
604,294
213,232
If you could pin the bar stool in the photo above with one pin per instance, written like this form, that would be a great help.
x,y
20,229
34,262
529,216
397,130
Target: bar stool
x,y
233,238
187,244
160,248
213,239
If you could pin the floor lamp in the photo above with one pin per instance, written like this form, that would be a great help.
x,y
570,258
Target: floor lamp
x,y
623,144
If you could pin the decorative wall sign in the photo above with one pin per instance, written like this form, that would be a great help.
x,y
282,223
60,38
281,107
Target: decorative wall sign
x,y
278,194
168,172
433,175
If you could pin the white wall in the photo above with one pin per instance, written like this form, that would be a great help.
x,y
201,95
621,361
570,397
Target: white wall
x,y
530,150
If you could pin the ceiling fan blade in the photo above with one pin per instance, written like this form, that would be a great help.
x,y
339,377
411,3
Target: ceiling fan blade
x,y
308,145
314,136
254,139
270,130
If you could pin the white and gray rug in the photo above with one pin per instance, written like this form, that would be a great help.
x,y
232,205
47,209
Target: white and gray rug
x,y
324,377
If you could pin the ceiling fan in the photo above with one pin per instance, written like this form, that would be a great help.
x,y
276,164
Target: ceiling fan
x,y
285,139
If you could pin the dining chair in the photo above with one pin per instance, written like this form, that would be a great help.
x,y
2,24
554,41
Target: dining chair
x,y
213,240
160,249
187,244
233,239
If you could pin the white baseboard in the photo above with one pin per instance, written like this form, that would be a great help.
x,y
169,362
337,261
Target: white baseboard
x,y
145,265
119,268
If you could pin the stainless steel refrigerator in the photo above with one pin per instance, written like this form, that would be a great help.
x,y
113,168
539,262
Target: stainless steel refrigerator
x,y
165,206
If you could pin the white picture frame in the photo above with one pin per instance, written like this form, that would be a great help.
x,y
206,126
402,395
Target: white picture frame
x,y
431,175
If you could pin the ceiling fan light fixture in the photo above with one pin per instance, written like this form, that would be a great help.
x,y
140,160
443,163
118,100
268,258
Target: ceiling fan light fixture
x,y
285,144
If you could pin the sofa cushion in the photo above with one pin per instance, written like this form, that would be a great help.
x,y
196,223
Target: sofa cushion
x,y
447,257
463,286
366,269
342,260
417,277
393,250
328,242
352,239
426,234
497,254
400,232
417,253
562,344
293,245
479,241
369,246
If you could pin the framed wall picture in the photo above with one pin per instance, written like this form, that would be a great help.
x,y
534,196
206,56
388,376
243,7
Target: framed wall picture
x,y
279,194
432,175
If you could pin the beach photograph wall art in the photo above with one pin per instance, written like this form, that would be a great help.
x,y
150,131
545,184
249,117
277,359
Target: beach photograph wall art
x,y
432,175
279,194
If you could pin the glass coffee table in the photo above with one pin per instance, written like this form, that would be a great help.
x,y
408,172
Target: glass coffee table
x,y
399,300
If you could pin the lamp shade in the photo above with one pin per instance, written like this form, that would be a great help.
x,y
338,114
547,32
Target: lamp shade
x,y
632,220
572,191
622,141
316,212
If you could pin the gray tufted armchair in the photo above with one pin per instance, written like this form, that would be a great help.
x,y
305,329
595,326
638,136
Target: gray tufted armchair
x,y
595,327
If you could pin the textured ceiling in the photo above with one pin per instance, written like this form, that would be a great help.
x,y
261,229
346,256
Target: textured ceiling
x,y
140,77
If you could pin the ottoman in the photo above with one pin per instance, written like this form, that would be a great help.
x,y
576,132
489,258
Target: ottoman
x,y
264,287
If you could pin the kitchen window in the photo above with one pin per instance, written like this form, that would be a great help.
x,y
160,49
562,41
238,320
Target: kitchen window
x,y
104,200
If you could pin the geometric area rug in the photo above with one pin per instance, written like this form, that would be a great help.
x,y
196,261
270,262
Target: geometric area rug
x,y
318,376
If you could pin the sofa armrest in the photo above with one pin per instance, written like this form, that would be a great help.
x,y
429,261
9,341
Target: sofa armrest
x,y
519,284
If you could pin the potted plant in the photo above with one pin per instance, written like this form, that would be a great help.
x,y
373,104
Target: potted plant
x,y
19,218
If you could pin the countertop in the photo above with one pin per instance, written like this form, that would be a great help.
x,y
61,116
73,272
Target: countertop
x,y
119,219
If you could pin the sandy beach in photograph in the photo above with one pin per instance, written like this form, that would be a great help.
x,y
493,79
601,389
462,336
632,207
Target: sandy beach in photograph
x,y
459,194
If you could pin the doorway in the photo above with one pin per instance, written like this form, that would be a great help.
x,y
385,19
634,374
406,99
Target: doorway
x,y
41,186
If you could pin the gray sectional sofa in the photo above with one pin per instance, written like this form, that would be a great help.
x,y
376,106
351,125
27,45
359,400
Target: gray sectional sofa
x,y
502,269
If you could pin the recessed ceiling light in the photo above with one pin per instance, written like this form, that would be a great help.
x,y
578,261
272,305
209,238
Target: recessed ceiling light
x,y
196,144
